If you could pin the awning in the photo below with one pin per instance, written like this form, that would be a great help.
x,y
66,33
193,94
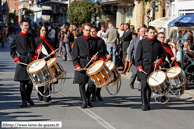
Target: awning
x,y
162,22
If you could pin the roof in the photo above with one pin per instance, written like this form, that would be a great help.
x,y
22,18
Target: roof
x,y
5,6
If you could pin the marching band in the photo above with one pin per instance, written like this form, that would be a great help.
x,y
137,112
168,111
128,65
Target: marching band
x,y
37,65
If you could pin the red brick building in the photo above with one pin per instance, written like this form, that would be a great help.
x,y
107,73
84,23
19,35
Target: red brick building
x,y
13,7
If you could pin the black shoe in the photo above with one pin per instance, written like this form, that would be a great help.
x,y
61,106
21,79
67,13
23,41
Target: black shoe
x,y
93,98
139,89
163,99
100,97
83,96
149,107
83,106
3,45
24,104
30,101
47,99
89,103
132,87
144,108
144,99
40,98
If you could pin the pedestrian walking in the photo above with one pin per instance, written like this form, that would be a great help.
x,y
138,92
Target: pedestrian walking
x,y
112,36
66,44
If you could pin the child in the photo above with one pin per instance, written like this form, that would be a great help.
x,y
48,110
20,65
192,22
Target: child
x,y
178,55
186,43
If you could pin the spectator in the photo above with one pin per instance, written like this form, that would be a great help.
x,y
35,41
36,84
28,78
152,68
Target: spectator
x,y
17,28
190,52
57,30
128,64
186,43
112,36
132,28
125,40
80,33
75,28
190,33
101,33
51,35
66,45
184,36
121,30
178,55
174,36
75,37
40,24
173,48
2,36
60,37
71,28
149,19
188,63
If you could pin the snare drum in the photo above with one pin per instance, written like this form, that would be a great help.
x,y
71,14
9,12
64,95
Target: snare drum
x,y
56,69
158,83
39,72
176,77
99,74
117,76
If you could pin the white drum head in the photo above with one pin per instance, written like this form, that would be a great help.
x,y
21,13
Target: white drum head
x,y
50,62
156,78
37,66
95,67
173,72
110,65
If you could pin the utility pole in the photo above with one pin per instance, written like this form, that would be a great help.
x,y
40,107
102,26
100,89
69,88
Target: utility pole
x,y
153,6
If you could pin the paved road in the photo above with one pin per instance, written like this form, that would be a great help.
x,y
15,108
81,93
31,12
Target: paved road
x,y
115,112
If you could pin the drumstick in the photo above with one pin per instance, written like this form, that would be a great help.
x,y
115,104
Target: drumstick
x,y
23,63
90,61
37,57
144,72
171,63
50,54
82,69
164,68
155,64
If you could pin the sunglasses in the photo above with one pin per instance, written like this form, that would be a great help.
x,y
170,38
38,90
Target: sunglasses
x,y
87,30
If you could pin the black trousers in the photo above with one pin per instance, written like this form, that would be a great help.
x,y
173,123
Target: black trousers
x,y
25,90
146,95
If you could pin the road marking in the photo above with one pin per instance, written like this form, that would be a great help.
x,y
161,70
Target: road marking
x,y
90,113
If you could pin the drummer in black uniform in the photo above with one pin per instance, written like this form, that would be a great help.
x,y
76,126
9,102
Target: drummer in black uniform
x,y
103,53
168,52
22,50
84,50
149,54
43,48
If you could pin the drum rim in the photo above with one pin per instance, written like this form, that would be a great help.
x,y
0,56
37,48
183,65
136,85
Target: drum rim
x,y
95,72
111,63
154,72
176,75
179,86
104,84
113,83
57,78
42,84
37,70
50,65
